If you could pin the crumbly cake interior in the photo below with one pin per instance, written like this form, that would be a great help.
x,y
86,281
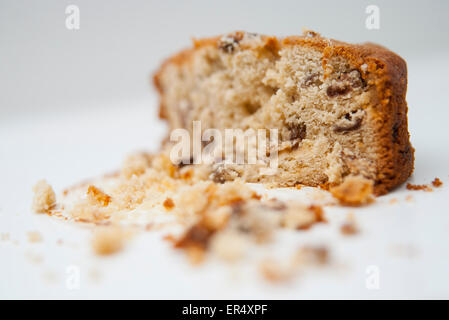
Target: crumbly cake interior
x,y
319,110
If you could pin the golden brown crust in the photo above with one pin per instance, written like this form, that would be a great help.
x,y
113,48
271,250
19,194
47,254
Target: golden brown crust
x,y
379,67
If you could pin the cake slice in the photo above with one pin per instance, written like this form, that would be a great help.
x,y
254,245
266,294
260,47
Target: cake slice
x,y
339,109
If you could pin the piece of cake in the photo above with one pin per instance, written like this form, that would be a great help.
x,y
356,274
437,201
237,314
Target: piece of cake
x,y
339,109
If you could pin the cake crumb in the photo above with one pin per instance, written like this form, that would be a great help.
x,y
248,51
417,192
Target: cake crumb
x,y
168,204
393,201
312,255
349,228
354,191
195,254
34,236
196,236
416,187
300,218
409,198
274,271
84,211
229,245
437,182
218,218
108,240
97,196
44,197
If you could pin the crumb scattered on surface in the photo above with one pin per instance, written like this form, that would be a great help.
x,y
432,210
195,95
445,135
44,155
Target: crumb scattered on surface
x,y
417,187
196,236
98,196
409,198
275,271
437,183
354,191
229,245
34,236
44,197
212,219
301,217
108,240
393,201
83,211
349,227
195,254
312,255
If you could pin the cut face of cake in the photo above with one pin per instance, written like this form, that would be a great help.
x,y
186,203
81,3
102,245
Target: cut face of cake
x,y
338,109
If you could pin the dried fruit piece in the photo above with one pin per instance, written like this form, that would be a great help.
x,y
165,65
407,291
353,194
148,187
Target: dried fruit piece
x,y
168,204
297,131
350,122
230,42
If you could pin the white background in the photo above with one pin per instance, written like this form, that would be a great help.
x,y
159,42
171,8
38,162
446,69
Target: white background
x,y
74,103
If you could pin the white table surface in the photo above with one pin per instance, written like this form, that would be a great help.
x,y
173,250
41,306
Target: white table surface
x,y
407,241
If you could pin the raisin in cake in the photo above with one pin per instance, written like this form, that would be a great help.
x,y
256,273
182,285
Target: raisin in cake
x,y
339,108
